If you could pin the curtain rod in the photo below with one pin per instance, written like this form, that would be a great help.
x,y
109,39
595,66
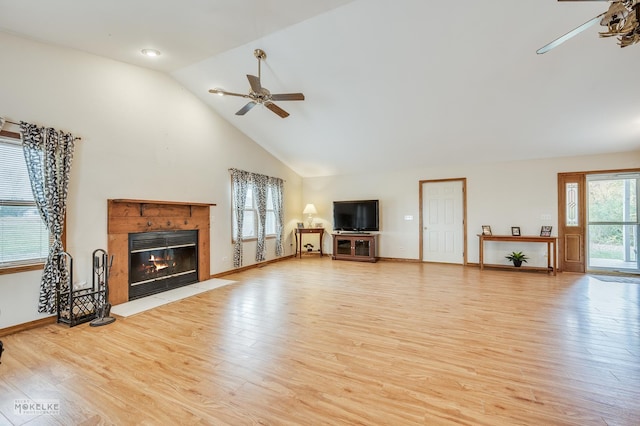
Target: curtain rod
x,y
17,124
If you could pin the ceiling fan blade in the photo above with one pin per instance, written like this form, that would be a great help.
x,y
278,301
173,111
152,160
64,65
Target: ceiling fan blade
x,y
275,108
245,109
288,97
557,42
255,83
221,92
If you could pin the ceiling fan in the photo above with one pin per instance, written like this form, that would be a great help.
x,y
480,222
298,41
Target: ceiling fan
x,y
622,20
259,94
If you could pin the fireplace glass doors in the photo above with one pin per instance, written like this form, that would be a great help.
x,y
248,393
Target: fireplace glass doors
x,y
161,261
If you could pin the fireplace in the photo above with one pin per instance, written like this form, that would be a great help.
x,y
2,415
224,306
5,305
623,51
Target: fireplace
x,y
156,220
161,261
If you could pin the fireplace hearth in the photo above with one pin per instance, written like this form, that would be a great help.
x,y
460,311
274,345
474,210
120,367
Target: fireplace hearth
x,y
161,261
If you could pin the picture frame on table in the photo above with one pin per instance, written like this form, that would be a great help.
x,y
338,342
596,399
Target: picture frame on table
x,y
545,231
300,224
515,231
486,230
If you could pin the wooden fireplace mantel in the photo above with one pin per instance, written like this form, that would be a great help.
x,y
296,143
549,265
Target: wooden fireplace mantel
x,y
125,216
166,203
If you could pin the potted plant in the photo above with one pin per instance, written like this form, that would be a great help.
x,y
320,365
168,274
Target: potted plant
x,y
517,257
309,246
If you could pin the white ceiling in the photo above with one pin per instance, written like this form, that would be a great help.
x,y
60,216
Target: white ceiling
x,y
389,84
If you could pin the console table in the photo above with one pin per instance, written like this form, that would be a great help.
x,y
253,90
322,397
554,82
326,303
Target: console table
x,y
300,231
549,241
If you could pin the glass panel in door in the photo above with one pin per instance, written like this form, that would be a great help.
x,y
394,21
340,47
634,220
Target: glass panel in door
x,y
612,232
343,247
361,248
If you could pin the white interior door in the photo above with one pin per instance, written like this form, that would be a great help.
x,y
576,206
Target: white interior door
x,y
443,221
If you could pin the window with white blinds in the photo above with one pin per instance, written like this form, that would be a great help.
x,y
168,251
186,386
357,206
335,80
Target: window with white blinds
x,y
24,238
250,225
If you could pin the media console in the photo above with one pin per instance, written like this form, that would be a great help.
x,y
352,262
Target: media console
x,y
360,247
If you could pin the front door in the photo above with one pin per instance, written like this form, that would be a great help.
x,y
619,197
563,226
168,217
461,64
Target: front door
x,y
442,221
571,222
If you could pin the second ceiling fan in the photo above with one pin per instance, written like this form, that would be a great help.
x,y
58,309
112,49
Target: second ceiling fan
x,y
259,94
622,20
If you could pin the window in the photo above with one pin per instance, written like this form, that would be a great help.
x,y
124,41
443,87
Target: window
x,y
250,225
256,199
24,238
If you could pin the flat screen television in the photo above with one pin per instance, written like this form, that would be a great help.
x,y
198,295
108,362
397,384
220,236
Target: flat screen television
x,y
356,216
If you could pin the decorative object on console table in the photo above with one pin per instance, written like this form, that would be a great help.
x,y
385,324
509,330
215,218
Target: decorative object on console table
x,y
486,230
310,210
298,234
300,224
517,257
515,231
545,231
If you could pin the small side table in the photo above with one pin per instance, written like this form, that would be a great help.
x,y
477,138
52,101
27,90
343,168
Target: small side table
x,y
300,231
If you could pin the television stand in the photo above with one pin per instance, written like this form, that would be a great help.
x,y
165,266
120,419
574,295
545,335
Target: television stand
x,y
360,247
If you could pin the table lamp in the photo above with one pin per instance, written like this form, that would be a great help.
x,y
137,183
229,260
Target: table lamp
x,y
309,210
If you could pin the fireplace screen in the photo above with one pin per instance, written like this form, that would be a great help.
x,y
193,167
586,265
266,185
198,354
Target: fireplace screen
x,y
160,261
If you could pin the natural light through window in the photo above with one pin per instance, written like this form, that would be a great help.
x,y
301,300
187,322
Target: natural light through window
x,y
250,225
24,238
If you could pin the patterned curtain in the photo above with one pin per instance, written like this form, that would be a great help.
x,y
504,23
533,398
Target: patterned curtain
x,y
49,154
276,185
260,190
240,181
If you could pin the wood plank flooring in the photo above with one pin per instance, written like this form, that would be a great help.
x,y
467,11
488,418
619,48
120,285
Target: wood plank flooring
x,y
319,342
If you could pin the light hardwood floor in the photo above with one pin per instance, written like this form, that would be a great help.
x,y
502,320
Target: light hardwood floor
x,y
313,341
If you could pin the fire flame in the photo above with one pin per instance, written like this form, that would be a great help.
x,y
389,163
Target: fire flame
x,y
159,263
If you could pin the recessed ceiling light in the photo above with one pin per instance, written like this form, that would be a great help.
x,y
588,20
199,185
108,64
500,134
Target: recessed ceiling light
x,y
152,53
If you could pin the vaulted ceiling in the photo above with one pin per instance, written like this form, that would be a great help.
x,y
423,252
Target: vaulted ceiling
x,y
389,84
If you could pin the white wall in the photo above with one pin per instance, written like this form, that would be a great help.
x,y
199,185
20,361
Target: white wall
x,y
500,195
144,137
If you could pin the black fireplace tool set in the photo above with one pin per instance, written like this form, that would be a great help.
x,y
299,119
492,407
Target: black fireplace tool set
x,y
85,304
101,268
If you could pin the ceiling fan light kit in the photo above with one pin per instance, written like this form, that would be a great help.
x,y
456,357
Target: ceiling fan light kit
x,y
622,20
260,95
152,53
